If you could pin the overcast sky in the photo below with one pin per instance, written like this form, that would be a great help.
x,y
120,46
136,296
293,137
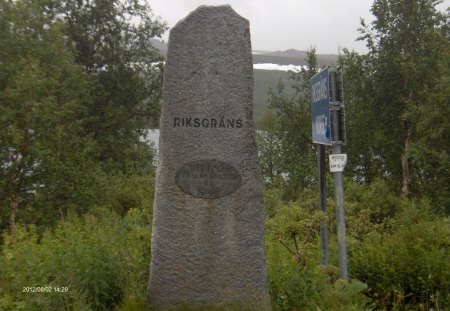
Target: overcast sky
x,y
285,24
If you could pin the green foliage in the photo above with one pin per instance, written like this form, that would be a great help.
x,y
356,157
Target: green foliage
x,y
396,103
272,201
313,289
111,40
45,152
95,261
398,253
430,152
394,95
398,247
297,281
130,192
408,264
269,148
370,208
74,77
287,151
131,304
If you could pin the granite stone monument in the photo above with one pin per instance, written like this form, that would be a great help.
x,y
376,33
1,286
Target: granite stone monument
x,y
208,219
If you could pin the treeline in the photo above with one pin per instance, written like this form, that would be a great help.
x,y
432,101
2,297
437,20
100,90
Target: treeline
x,y
73,77
397,101
76,183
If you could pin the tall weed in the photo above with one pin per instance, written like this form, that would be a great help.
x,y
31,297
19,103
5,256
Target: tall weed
x,y
296,280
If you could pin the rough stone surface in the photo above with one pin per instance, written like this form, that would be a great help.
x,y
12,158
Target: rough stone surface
x,y
208,222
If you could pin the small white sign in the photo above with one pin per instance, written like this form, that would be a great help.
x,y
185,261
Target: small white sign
x,y
338,162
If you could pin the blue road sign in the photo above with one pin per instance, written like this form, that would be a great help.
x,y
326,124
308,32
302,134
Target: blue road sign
x,y
320,108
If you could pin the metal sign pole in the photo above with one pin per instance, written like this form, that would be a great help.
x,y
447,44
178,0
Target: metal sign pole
x,y
340,218
328,128
323,204
338,184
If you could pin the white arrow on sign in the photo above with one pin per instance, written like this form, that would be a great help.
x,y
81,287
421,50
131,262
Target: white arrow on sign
x,y
337,162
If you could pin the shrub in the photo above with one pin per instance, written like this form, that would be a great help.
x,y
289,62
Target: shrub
x,y
87,264
296,280
130,192
409,264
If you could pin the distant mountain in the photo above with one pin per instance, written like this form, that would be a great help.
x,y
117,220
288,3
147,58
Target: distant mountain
x,y
289,53
269,78
287,57
292,57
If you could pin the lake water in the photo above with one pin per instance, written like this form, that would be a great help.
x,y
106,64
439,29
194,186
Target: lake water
x,y
152,138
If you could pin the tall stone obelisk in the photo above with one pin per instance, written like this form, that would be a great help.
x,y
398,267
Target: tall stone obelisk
x,y
208,223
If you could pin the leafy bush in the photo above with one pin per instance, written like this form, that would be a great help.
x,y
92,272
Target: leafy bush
x,y
272,201
296,280
398,247
407,265
94,261
130,192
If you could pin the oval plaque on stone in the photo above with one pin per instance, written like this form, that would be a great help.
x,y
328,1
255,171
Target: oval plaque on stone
x,y
208,179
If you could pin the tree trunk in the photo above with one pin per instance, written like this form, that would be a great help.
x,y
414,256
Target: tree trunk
x,y
405,164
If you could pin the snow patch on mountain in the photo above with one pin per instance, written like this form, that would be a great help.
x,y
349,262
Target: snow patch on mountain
x,y
269,66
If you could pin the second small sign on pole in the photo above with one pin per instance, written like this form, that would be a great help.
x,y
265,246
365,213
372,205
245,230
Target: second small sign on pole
x,y
337,162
